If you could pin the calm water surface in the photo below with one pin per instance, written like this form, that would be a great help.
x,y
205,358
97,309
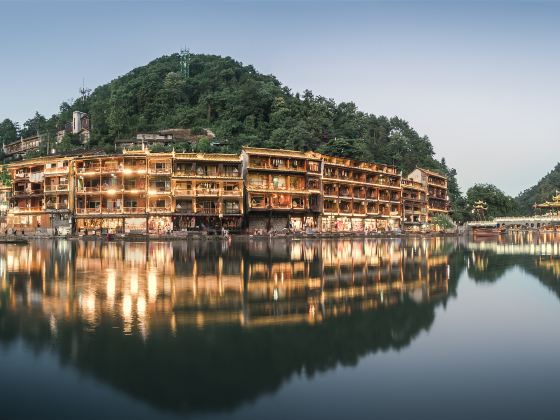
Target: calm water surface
x,y
279,329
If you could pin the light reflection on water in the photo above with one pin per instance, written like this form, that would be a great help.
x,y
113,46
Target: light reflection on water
x,y
166,285
208,326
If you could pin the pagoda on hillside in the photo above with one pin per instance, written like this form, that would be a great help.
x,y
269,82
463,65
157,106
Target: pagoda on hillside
x,y
479,209
551,207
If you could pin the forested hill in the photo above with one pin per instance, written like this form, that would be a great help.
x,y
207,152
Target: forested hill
x,y
542,191
245,107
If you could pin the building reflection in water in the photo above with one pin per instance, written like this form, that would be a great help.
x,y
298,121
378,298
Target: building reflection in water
x,y
166,285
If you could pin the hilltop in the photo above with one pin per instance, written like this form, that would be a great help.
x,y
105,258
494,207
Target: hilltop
x,y
540,192
243,107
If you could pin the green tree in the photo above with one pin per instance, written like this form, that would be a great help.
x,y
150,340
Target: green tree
x,y
34,126
5,177
203,145
8,131
499,204
340,147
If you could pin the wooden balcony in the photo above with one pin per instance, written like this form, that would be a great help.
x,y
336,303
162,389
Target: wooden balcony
x,y
56,206
86,210
112,169
159,210
159,191
208,210
56,188
134,169
183,192
93,189
232,211
159,171
33,209
56,170
27,191
232,193
134,210
212,192
90,169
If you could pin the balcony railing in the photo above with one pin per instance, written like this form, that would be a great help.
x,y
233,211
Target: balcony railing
x,y
184,209
87,210
89,169
111,169
54,188
27,191
159,171
208,210
57,170
281,205
232,211
112,210
207,191
27,209
232,193
139,169
56,206
95,188
134,210
159,209
184,192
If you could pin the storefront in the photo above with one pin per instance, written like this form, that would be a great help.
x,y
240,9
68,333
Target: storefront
x,y
135,225
184,223
357,224
232,222
99,225
160,224
28,221
370,225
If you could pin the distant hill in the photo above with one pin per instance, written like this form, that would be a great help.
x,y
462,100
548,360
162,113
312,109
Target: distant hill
x,y
542,191
244,107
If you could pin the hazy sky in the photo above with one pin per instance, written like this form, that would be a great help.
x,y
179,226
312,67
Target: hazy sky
x,y
481,79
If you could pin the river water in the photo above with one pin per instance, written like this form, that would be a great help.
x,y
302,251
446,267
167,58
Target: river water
x,y
281,329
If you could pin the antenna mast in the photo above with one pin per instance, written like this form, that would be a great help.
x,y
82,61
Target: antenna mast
x,y
186,62
84,92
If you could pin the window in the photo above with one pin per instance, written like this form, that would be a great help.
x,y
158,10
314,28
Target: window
x,y
258,201
313,200
296,183
279,182
278,163
160,185
258,162
297,202
184,186
313,184
313,166
258,180
230,170
231,206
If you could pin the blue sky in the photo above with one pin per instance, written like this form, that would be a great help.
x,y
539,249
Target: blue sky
x,y
479,78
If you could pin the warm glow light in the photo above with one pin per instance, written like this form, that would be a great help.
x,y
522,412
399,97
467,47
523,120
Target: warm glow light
x,y
133,284
141,306
111,285
127,308
152,286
